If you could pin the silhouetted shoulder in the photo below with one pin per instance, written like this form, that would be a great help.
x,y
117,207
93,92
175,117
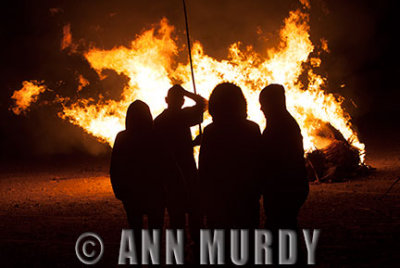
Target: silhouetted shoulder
x,y
209,133
159,118
285,124
209,127
253,126
120,136
118,147
292,122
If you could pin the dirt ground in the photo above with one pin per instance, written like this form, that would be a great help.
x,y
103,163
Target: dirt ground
x,y
43,212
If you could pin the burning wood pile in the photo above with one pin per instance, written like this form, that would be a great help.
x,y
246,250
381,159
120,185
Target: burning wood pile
x,y
338,161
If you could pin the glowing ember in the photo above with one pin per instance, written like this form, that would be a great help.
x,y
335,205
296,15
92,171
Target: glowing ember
x,y
67,42
67,37
149,64
28,94
83,82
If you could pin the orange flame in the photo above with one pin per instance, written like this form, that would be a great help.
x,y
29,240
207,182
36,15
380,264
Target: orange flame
x,y
67,37
67,42
149,64
27,95
83,82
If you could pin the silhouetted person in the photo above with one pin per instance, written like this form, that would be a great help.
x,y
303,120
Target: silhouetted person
x,y
173,127
227,161
282,167
141,169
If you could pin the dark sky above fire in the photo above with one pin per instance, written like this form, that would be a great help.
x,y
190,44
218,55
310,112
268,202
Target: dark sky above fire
x,y
361,36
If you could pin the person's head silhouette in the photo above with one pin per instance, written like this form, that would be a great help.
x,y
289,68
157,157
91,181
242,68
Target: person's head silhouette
x,y
175,98
272,99
227,103
138,117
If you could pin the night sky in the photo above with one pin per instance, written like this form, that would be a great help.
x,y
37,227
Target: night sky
x,y
361,35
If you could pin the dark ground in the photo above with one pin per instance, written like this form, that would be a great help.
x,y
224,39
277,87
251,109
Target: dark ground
x,y
44,209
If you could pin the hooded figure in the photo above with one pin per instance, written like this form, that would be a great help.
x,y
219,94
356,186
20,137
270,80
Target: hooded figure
x,y
139,166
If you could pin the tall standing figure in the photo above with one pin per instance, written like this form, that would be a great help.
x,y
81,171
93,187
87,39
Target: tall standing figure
x,y
173,127
282,167
227,161
141,168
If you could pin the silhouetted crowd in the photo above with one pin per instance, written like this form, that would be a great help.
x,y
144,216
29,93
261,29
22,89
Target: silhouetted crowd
x,y
153,166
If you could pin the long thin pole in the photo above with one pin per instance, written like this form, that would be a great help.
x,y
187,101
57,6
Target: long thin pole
x,y
190,54
189,46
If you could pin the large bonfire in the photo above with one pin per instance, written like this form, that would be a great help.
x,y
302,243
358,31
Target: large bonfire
x,y
149,63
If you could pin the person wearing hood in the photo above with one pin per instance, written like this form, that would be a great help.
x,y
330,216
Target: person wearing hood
x,y
140,168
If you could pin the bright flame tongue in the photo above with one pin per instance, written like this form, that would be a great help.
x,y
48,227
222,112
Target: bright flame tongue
x,y
27,95
148,64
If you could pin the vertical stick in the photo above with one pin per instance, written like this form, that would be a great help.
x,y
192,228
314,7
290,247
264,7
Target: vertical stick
x,y
190,54
189,46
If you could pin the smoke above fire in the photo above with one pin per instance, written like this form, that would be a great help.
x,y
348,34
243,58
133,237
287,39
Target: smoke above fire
x,y
150,63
